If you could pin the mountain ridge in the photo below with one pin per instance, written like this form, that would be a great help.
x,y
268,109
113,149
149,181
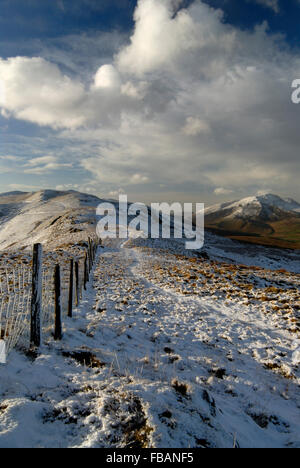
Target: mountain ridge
x,y
51,217
264,219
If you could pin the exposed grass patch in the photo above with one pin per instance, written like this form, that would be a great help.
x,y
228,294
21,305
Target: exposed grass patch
x,y
180,387
85,358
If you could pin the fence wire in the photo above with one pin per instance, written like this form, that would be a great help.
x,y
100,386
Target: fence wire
x,y
16,294
15,303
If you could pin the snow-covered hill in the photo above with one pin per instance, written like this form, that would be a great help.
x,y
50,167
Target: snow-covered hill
x,y
46,216
264,219
164,351
58,219
262,206
168,348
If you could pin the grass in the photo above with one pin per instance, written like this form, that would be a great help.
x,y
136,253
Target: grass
x,y
282,234
180,387
85,358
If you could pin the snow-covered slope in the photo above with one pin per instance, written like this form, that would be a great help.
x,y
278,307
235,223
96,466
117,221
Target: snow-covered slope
x,y
265,219
261,205
165,351
168,348
46,216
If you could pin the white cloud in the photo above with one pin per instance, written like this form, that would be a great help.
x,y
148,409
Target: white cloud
x,y
9,157
157,38
44,164
222,191
185,106
138,179
41,160
36,90
116,193
107,77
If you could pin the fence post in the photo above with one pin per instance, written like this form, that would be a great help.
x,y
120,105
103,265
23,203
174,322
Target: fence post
x,y
57,289
86,274
71,284
36,299
90,254
76,284
94,251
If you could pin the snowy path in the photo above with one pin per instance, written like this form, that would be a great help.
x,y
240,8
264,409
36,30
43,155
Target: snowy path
x,y
159,335
166,370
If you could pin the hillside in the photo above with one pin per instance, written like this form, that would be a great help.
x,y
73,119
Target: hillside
x,y
168,347
61,219
50,217
267,220
164,350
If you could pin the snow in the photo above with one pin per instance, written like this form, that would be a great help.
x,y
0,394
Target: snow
x,y
168,348
296,353
222,249
177,365
253,206
44,216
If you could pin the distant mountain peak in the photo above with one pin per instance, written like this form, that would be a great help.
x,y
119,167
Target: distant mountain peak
x,y
261,218
13,193
252,206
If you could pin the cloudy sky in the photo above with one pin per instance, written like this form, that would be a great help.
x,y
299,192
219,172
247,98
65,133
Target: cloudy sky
x,y
165,100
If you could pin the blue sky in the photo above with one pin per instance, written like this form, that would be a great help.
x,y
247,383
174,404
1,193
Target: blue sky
x,y
162,100
25,20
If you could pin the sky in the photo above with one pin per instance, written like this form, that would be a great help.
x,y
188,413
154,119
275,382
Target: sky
x,y
164,100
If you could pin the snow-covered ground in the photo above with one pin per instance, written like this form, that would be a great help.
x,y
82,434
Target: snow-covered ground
x,y
49,217
166,350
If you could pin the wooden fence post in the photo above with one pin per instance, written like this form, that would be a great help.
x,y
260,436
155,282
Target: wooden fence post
x,y
92,252
90,255
86,274
36,300
57,289
71,285
76,284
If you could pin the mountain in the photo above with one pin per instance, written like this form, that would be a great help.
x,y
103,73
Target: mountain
x,y
58,219
16,192
264,219
51,217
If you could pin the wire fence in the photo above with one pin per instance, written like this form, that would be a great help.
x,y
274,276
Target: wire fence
x,y
17,290
15,300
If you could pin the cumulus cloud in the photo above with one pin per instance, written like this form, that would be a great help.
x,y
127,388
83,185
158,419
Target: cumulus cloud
x,y
107,77
36,90
158,39
190,104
